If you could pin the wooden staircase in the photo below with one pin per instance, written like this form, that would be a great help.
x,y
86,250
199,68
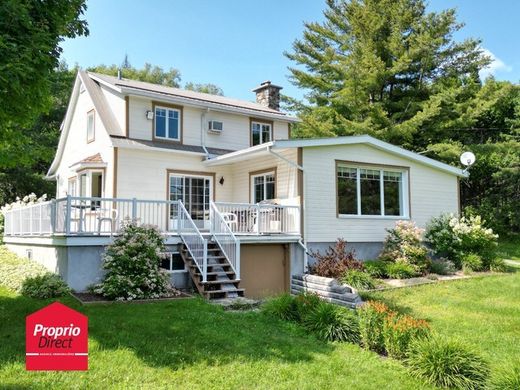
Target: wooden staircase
x,y
221,279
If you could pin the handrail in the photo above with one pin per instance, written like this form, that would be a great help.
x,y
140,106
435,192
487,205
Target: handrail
x,y
196,244
225,238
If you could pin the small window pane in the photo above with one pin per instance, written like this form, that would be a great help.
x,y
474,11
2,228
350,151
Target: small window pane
x,y
370,192
177,262
160,122
90,126
392,193
347,190
173,124
266,133
256,133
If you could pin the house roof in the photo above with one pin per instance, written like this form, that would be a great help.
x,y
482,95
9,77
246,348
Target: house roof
x,y
96,158
165,146
134,87
324,142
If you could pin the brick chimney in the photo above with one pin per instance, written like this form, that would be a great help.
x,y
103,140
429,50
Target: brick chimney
x,y
268,95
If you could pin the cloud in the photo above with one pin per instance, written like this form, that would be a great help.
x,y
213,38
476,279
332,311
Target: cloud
x,y
496,65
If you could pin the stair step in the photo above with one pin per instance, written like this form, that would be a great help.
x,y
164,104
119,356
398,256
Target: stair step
x,y
223,265
235,290
217,273
228,281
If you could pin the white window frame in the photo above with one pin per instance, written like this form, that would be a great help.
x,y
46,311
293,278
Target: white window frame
x,y
174,271
167,124
403,201
72,186
91,137
262,141
89,172
253,189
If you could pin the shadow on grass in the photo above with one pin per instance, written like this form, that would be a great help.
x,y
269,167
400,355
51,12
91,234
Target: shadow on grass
x,y
171,334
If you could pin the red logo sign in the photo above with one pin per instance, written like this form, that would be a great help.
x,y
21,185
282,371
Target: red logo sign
x,y
56,338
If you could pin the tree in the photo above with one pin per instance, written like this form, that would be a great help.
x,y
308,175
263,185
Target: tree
x,y
382,67
149,73
30,34
212,89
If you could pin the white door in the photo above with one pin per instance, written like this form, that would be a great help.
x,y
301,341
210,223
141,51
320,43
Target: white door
x,y
195,192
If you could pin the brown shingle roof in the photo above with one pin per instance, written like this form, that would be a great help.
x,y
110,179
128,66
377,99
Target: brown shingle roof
x,y
96,158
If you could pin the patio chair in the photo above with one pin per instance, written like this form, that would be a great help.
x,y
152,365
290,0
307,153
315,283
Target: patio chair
x,y
107,215
231,220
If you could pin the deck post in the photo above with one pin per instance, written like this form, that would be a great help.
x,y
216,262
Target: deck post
x,y
134,210
68,216
205,262
237,259
53,216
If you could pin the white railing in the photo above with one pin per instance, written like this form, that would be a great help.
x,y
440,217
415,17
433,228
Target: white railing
x,y
89,216
246,218
30,220
225,238
196,244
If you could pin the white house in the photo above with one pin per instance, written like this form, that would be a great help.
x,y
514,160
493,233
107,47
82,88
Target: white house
x,y
239,200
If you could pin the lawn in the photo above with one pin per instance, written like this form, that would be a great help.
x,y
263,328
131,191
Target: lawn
x,y
509,248
192,344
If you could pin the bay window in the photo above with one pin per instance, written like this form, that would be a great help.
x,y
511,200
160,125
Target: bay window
x,y
371,191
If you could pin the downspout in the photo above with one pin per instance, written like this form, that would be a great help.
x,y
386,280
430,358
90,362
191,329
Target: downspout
x,y
301,241
202,132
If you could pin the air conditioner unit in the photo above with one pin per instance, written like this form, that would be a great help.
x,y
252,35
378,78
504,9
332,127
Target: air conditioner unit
x,y
215,127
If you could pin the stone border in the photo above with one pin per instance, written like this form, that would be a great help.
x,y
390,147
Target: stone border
x,y
328,289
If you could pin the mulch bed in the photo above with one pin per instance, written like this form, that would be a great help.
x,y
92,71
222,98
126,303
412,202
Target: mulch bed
x,y
88,298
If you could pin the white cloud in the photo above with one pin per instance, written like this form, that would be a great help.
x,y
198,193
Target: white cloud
x,y
496,65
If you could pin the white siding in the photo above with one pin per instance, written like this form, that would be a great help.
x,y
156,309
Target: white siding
x,y
117,104
77,148
432,192
236,134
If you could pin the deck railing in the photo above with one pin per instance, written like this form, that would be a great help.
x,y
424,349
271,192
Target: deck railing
x,y
256,219
195,243
225,238
89,216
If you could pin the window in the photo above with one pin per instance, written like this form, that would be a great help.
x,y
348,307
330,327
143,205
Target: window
x,y
71,190
260,132
173,262
371,191
263,186
168,123
90,126
91,185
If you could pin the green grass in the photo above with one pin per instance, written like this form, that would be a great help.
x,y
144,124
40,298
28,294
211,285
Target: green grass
x,y
192,344
509,248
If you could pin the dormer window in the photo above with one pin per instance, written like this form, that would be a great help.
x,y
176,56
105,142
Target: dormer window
x,y
168,123
261,132
91,127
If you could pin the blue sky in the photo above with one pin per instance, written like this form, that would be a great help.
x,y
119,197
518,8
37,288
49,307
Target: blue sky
x,y
236,44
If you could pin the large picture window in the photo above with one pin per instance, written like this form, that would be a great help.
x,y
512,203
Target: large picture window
x,y
369,191
261,132
168,123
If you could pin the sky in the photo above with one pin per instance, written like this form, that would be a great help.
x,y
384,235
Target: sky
x,y
236,44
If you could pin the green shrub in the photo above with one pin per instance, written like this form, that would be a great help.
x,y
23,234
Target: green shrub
x,y
372,316
376,268
283,306
333,323
498,265
446,363
443,267
15,270
400,271
44,287
403,244
133,266
335,261
358,279
507,379
454,238
472,263
399,331
306,302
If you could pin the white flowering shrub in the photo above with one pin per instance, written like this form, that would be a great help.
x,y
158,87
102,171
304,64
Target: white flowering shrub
x,y
455,238
132,265
403,244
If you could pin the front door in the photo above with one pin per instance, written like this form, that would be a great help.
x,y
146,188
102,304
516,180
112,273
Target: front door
x,y
195,193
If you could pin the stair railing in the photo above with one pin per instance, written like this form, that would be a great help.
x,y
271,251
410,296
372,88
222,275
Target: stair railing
x,y
196,244
227,241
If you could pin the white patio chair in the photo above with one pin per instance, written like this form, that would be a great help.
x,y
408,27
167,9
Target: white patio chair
x,y
231,220
107,215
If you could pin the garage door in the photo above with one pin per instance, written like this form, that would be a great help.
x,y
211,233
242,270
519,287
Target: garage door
x,y
264,269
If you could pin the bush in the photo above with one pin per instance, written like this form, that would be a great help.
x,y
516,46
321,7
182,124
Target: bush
x,y
443,267
283,306
447,363
400,271
454,238
44,287
372,316
498,265
15,270
133,266
376,268
472,263
399,331
507,379
403,245
333,323
335,262
358,279
306,302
